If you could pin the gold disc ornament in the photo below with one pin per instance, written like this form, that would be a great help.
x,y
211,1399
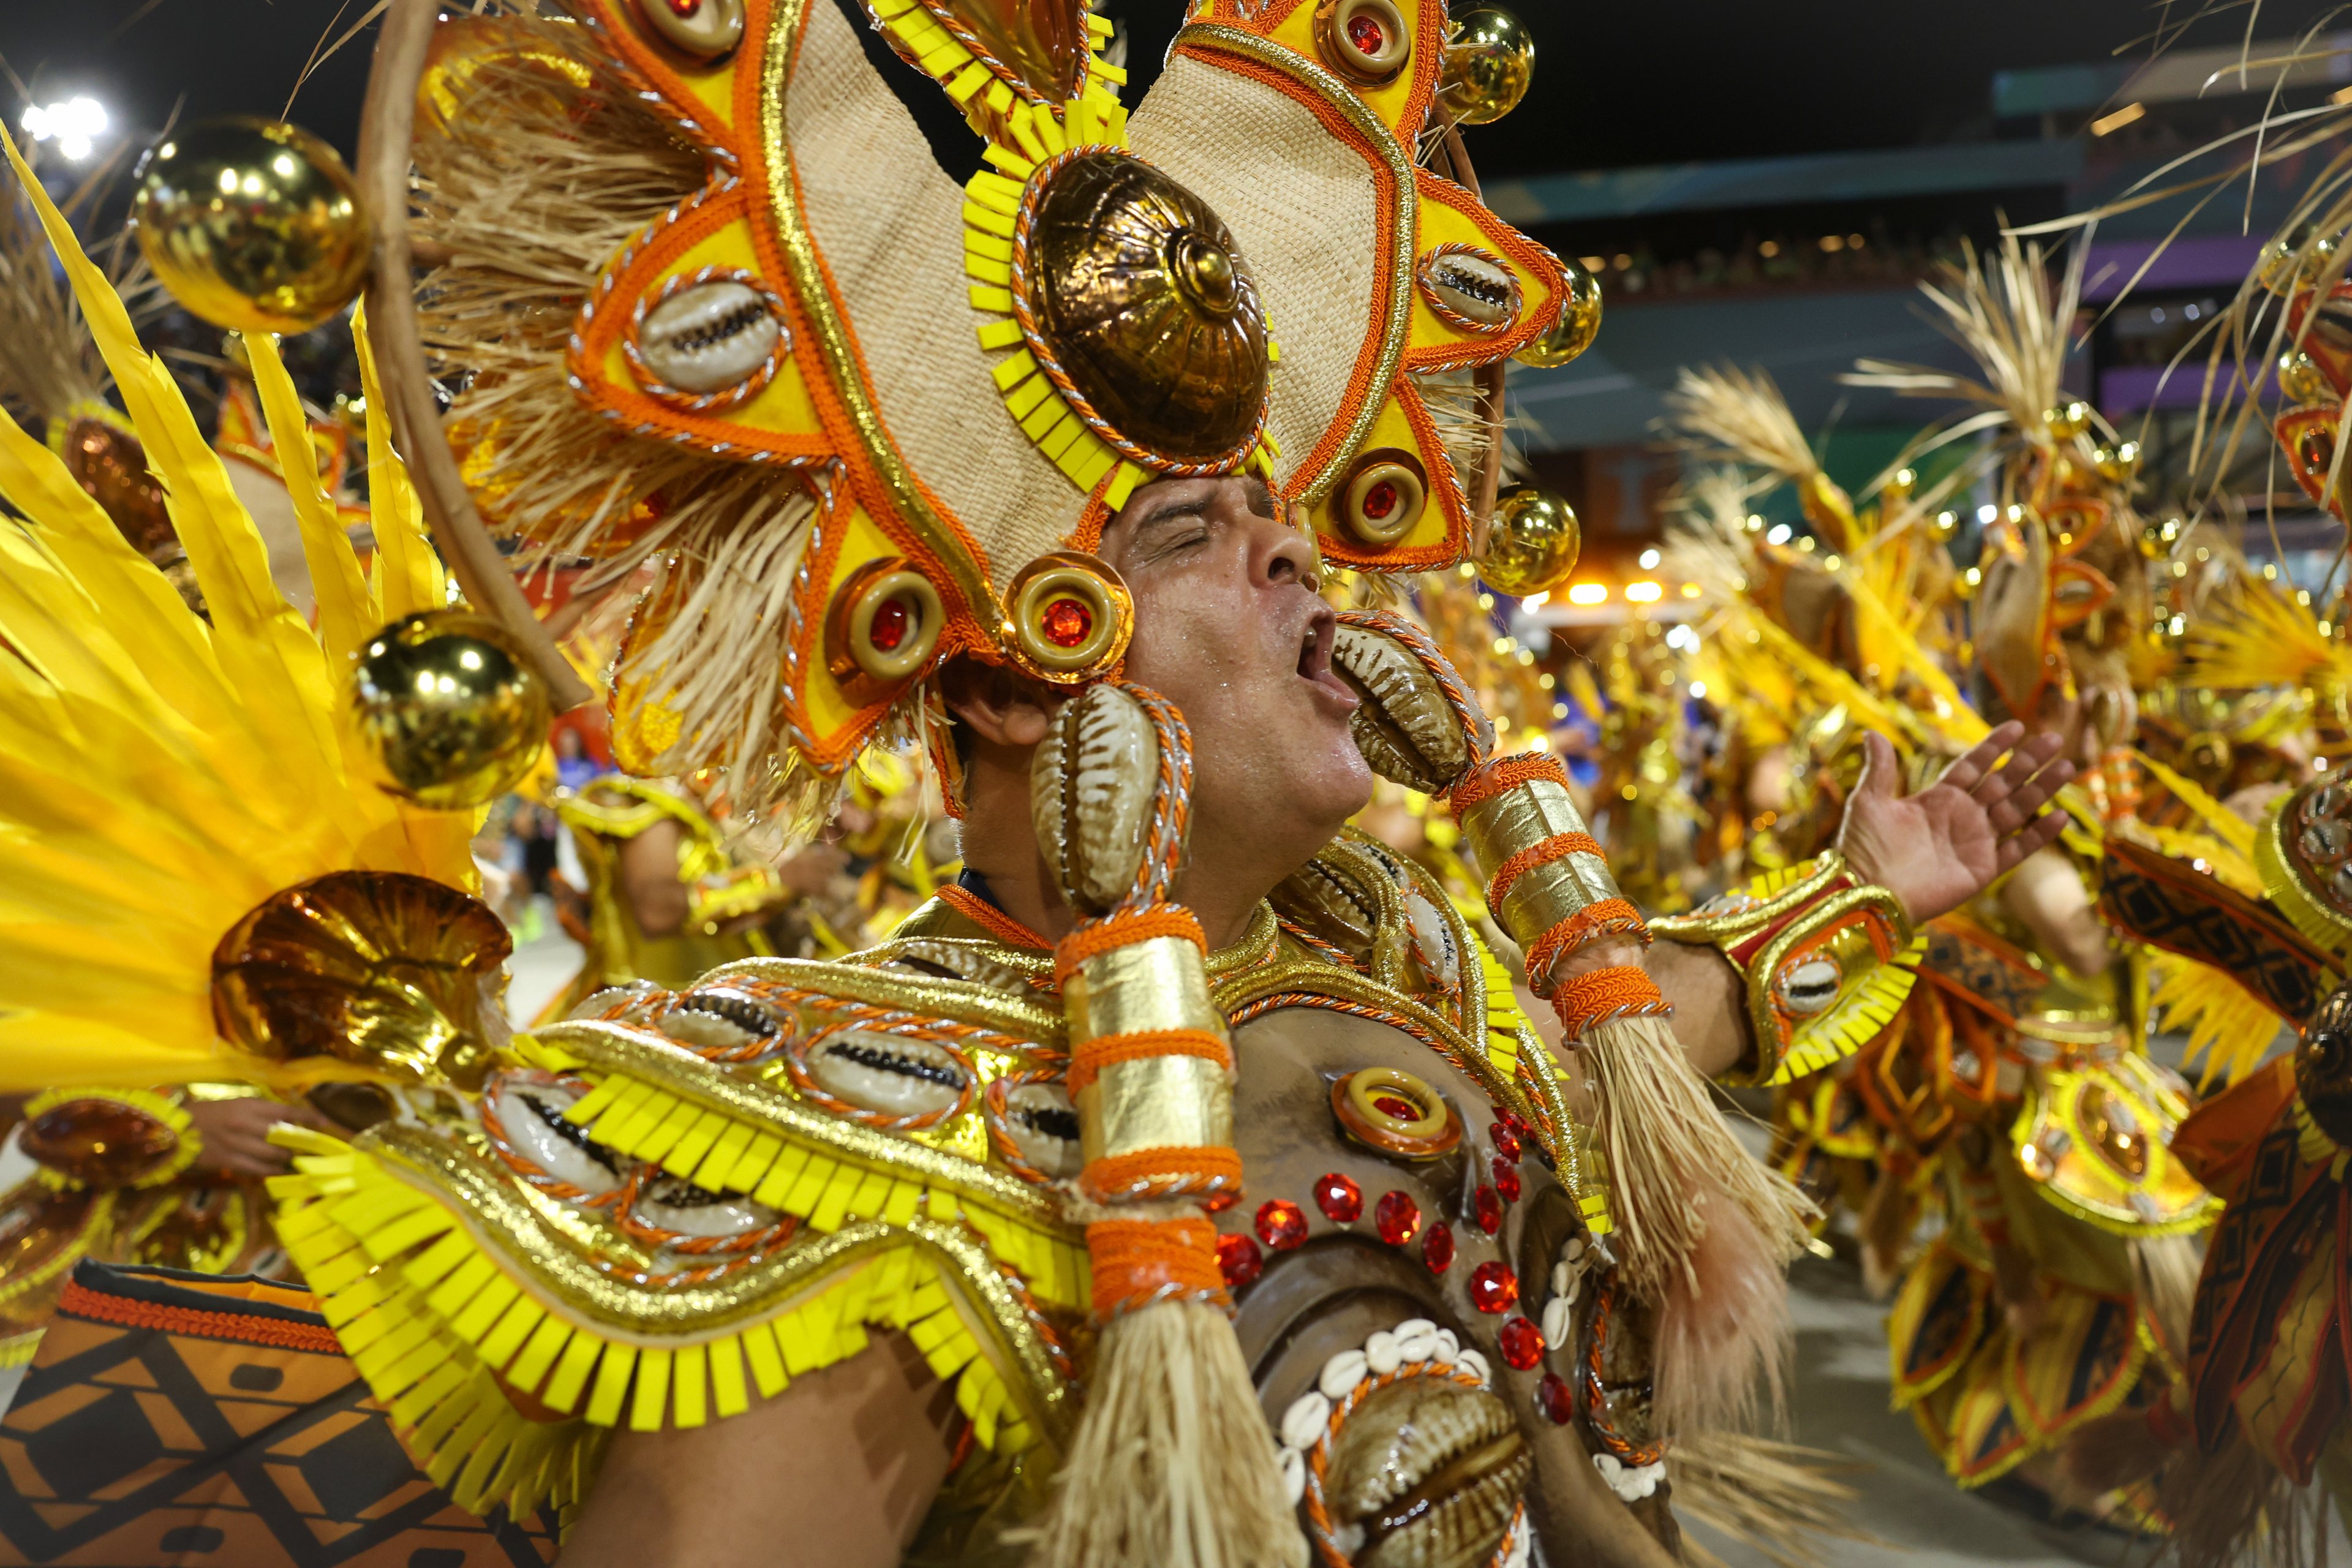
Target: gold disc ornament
x,y
1490,61
1533,543
449,709
1138,306
254,225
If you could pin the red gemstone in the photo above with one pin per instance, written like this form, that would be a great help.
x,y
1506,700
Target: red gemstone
x,y
686,8
1403,1109
1281,1223
1494,1287
1506,1180
1437,1247
889,627
1239,1260
1218,1202
1381,500
1510,1119
1397,1219
1339,1199
1487,1211
1066,622
1506,1141
1523,1343
1552,1399
1365,32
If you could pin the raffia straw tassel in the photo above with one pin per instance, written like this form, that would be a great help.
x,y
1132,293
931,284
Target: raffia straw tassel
x,y
1173,1463
1704,1230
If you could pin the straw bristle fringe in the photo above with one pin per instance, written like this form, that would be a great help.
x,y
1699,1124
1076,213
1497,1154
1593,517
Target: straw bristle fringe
x,y
2165,1270
1173,1465
52,363
2234,1509
1727,414
2011,318
532,186
1778,1498
1703,1228
1451,398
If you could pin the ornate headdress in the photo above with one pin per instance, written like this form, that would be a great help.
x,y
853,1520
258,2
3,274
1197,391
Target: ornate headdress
x,y
863,419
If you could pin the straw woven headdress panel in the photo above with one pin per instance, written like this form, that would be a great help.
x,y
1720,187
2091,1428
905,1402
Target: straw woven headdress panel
x,y
922,437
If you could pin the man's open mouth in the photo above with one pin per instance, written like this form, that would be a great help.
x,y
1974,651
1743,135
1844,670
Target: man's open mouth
x,y
1315,652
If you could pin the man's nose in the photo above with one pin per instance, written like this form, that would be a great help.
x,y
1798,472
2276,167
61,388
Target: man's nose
x,y
1284,553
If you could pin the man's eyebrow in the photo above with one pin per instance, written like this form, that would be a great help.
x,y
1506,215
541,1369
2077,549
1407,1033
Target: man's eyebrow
x,y
1165,508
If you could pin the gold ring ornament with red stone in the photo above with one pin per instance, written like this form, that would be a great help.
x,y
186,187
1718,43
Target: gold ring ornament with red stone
x,y
1470,288
881,629
706,29
1385,493
1366,41
708,339
1068,619
1393,1112
2095,1138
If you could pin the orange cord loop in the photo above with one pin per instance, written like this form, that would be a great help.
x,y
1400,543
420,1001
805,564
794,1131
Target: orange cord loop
x,y
1618,992
1138,1261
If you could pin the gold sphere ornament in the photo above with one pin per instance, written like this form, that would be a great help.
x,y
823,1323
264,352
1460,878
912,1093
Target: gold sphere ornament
x,y
2067,420
2300,378
449,709
1532,545
1490,59
2118,463
1579,325
253,224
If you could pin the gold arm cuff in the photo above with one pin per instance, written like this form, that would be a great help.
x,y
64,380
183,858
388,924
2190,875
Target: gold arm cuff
x,y
1157,983
1155,1103
1722,922
1520,818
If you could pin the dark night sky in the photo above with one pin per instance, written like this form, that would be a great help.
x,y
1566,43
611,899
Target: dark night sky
x,y
1616,83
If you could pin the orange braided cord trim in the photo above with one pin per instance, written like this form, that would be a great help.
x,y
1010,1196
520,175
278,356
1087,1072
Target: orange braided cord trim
x,y
1161,1173
1121,927
1610,917
1620,991
253,1330
1559,846
1089,1057
1508,773
1137,1262
989,917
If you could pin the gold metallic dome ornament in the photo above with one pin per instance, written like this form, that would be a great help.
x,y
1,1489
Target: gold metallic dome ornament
x,y
499,53
2322,1066
1069,617
1579,325
1490,62
2118,463
1533,545
2067,420
253,224
705,29
1366,41
1131,297
448,708
107,1138
395,974
883,625
2299,377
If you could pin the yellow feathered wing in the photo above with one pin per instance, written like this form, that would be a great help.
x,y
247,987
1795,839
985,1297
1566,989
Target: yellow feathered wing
x,y
159,777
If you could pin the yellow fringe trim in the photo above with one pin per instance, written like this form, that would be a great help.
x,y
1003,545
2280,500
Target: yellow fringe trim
x,y
2226,1024
187,1143
1511,1039
1855,1018
439,1326
719,1153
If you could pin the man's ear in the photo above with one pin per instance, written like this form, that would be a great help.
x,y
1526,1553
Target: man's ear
x,y
1004,706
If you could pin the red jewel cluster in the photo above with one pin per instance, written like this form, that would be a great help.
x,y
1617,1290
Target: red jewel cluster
x,y
1066,622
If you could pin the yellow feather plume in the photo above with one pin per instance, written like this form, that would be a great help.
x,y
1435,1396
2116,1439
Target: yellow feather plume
x,y
2264,639
2226,1027
159,777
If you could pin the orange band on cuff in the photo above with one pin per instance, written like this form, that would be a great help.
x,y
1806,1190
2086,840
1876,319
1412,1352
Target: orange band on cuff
x,y
1557,846
1118,929
1508,773
1089,1057
1590,998
1610,917
1137,1259
1161,1173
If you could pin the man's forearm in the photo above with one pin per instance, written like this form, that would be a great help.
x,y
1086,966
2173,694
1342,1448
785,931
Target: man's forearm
x,y
1710,1004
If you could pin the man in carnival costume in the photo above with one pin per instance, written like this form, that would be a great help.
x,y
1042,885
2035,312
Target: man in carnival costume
x,y
1019,469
